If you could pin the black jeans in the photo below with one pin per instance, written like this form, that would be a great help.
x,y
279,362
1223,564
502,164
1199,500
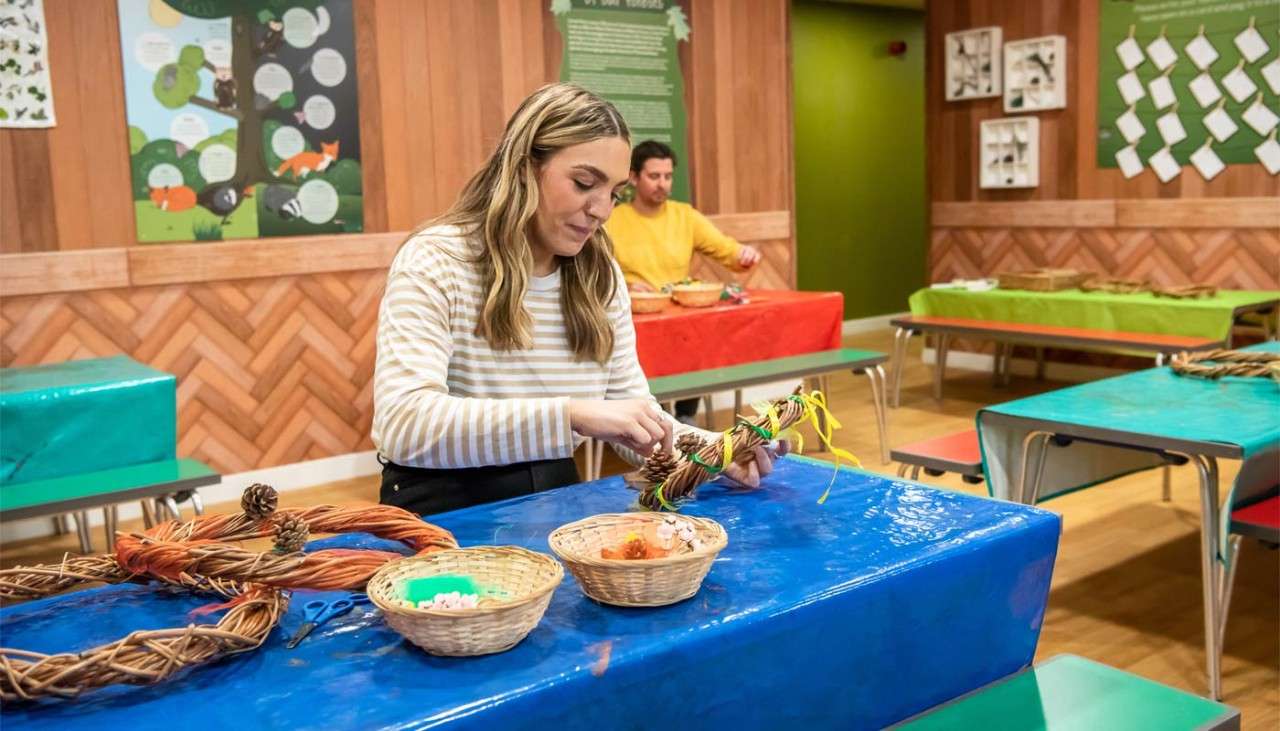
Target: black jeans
x,y
429,491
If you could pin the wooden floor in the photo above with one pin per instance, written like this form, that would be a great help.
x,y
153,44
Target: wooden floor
x,y
1126,587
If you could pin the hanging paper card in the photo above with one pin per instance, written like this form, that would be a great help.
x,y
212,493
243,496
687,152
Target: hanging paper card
x,y
1130,88
1207,162
1271,72
1130,126
1127,159
1238,84
1204,90
1220,125
1251,44
1268,153
1161,92
1201,52
1260,117
1161,53
1171,129
1165,166
1130,54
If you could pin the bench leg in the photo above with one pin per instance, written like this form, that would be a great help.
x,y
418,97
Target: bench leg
x,y
110,517
879,399
197,504
1166,486
941,342
737,404
82,532
597,460
147,520
1040,363
1159,360
1004,369
902,469
707,421
901,342
60,525
589,450
170,505
915,473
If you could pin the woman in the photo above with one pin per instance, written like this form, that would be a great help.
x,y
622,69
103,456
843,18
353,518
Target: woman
x,y
505,333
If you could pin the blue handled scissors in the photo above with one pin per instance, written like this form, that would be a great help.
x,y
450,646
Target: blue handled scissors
x,y
319,611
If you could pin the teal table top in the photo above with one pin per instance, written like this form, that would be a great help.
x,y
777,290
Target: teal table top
x,y
1235,416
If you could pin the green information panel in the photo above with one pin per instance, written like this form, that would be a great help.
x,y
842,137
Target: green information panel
x,y
625,51
1177,78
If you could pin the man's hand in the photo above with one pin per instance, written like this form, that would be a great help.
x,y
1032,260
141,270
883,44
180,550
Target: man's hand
x,y
640,287
748,257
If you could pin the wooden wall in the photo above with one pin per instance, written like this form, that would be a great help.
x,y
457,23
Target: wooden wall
x,y
1226,231
272,339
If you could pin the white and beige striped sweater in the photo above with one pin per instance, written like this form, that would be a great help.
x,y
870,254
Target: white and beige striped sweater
x,y
444,399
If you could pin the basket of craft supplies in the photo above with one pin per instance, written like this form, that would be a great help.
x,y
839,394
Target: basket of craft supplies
x,y
639,559
466,601
646,302
1042,280
697,294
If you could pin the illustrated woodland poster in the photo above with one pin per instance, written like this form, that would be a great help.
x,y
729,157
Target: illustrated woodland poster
x,y
243,118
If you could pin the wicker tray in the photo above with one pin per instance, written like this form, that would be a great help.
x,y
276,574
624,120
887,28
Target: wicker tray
x,y
1186,291
1042,280
645,302
639,583
528,577
1110,285
701,294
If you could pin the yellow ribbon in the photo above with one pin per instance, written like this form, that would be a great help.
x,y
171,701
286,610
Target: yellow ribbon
x,y
662,500
815,403
728,450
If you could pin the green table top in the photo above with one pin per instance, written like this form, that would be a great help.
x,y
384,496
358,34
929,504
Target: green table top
x,y
1210,317
1069,693
103,484
764,371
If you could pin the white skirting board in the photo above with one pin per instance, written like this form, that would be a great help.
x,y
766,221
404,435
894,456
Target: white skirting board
x,y
985,362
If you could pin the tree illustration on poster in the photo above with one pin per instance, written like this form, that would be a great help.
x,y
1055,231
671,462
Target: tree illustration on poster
x,y
242,118
625,51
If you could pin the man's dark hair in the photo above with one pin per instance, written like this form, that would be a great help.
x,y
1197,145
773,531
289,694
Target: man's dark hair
x,y
648,150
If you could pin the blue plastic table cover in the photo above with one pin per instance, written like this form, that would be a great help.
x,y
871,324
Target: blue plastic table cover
x,y
889,599
84,416
1156,402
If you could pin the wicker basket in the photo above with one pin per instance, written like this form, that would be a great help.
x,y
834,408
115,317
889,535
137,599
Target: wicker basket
x,y
1111,285
528,577
635,583
701,294
1186,291
1042,280
646,302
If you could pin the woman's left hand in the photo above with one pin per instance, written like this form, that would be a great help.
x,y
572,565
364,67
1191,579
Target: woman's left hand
x,y
749,475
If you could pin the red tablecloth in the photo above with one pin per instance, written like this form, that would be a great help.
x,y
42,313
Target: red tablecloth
x,y
774,324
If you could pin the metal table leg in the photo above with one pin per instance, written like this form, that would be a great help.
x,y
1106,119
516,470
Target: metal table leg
x,y
940,363
901,342
879,400
1027,493
1211,570
82,532
110,517
1166,483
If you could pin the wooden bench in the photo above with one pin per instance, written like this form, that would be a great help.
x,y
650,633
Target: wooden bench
x,y
1070,693
77,494
1008,334
958,453
668,389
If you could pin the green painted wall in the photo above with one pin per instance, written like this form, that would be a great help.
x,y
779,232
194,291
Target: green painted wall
x,y
861,205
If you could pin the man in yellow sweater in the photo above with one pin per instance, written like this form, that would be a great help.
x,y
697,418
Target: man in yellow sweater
x,y
654,238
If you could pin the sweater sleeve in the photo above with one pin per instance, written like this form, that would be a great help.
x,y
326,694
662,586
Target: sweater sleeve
x,y
708,240
416,422
627,380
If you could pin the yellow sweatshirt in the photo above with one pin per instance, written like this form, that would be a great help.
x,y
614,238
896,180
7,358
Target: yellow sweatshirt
x,y
658,249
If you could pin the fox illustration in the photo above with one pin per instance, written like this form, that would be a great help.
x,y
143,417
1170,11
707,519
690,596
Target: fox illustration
x,y
307,162
173,199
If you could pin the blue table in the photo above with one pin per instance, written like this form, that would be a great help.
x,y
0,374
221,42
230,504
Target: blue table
x,y
889,599
1108,428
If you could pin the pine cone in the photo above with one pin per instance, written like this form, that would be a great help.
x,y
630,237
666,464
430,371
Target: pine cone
x,y
259,501
658,466
291,534
689,443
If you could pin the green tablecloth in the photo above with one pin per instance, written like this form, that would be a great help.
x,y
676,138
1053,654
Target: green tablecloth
x,y
1143,313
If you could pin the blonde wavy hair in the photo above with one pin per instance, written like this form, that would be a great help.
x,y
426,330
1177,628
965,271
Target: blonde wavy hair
x,y
498,206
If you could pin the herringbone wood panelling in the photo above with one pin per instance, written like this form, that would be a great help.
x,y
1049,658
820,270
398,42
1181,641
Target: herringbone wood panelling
x,y
270,371
1233,258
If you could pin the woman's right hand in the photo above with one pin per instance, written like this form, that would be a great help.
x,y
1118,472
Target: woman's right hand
x,y
633,423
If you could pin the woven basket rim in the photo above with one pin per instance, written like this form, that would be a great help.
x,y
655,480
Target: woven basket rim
x,y
649,295
498,607
712,548
697,287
